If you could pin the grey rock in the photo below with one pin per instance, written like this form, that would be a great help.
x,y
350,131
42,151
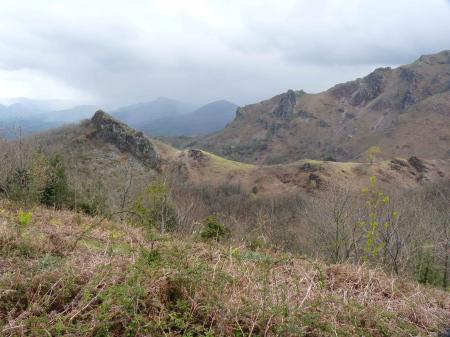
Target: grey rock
x,y
324,124
125,138
240,112
305,114
285,107
418,164
370,87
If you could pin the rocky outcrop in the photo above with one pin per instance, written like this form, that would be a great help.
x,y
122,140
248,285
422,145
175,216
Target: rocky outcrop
x,y
197,155
125,138
418,164
285,107
370,87
240,112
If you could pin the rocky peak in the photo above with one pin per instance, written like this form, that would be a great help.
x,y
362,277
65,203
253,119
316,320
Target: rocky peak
x,y
286,105
362,90
370,87
442,57
240,112
125,138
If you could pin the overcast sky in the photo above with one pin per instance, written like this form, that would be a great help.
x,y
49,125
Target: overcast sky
x,y
107,51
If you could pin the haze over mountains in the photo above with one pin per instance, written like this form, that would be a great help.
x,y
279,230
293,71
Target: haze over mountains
x,y
206,119
35,116
161,117
141,113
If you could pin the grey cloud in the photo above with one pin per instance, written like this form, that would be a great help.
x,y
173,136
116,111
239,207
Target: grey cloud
x,y
375,34
119,59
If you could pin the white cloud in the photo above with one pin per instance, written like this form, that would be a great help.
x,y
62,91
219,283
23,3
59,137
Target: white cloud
x,y
36,85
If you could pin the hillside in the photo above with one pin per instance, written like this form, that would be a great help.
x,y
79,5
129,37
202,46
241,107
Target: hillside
x,y
66,274
107,150
297,254
404,111
206,119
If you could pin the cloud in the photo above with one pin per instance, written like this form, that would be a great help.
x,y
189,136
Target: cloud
x,y
199,50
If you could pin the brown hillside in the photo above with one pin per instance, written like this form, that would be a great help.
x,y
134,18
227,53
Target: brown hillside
x,y
104,161
405,111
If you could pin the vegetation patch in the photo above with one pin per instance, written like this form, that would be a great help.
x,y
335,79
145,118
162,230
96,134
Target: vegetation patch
x,y
179,286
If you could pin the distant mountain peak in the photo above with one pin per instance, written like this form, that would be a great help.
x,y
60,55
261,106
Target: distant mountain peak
x,y
206,119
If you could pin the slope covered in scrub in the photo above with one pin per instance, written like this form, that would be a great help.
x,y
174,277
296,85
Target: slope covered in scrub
x,y
66,274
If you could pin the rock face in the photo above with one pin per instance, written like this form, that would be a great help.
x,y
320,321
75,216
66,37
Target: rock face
x,y
125,138
286,106
369,88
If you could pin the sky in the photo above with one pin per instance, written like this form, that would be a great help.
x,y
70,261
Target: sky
x,y
119,52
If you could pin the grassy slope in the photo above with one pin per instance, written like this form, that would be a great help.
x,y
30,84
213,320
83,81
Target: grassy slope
x,y
118,281
295,176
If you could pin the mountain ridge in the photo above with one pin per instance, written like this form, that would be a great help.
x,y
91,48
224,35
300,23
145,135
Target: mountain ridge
x,y
344,121
206,119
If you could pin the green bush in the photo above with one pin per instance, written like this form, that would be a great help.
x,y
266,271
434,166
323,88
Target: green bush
x,y
427,269
213,229
25,218
22,187
156,209
56,192
42,180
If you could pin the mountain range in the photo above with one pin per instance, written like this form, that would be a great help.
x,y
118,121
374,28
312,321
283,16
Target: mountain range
x,y
140,114
161,117
402,112
206,119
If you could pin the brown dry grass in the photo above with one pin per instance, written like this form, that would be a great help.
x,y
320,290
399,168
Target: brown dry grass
x,y
120,280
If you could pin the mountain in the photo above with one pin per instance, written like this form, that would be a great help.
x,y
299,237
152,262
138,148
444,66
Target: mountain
x,y
71,115
206,119
31,118
38,104
162,117
404,111
140,114
17,111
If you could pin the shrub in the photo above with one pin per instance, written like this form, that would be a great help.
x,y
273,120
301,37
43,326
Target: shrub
x,y
24,219
427,268
21,186
156,209
213,229
372,153
56,191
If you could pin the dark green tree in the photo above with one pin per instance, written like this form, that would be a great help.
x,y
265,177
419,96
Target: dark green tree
x,y
213,229
56,191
